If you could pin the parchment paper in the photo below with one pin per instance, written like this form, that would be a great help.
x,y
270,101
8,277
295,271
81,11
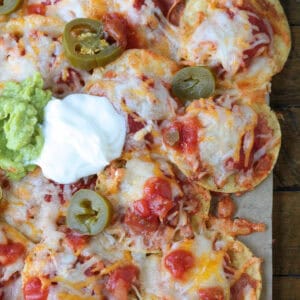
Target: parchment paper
x,y
257,206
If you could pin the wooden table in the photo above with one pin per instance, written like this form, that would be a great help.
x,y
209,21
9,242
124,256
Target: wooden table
x,y
285,100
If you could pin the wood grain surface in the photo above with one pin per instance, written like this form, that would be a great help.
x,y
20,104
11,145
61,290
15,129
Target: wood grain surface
x,y
285,100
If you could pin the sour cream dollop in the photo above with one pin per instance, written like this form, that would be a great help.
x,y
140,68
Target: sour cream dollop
x,y
83,134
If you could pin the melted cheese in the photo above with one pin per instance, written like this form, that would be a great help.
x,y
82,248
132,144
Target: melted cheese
x,y
37,49
208,271
35,217
64,9
139,84
68,9
220,39
137,171
154,103
61,266
136,174
221,136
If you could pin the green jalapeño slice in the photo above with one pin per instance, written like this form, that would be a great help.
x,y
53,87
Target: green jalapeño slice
x,y
193,83
88,213
87,45
9,6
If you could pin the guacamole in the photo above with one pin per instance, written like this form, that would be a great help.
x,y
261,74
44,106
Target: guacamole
x,y
21,115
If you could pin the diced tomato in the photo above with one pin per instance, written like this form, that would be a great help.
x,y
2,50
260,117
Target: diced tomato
x,y
139,224
178,262
142,208
134,124
39,9
212,293
157,186
188,135
10,252
156,202
76,240
158,193
160,206
33,290
121,280
237,290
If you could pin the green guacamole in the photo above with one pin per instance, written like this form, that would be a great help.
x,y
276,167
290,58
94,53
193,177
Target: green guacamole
x,y
21,115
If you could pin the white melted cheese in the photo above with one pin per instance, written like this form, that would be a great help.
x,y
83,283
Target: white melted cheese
x,y
140,82
14,66
154,103
157,281
222,135
28,211
220,39
64,9
67,10
31,44
46,222
83,134
137,172
132,186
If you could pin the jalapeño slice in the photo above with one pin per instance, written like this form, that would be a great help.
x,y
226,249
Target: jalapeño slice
x,y
9,6
88,213
193,83
87,45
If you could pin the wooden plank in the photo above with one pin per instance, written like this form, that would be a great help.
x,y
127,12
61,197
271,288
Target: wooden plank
x,y
286,233
285,85
292,10
287,169
286,288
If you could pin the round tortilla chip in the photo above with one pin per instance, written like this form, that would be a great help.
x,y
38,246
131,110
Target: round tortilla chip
x,y
232,254
259,73
231,186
